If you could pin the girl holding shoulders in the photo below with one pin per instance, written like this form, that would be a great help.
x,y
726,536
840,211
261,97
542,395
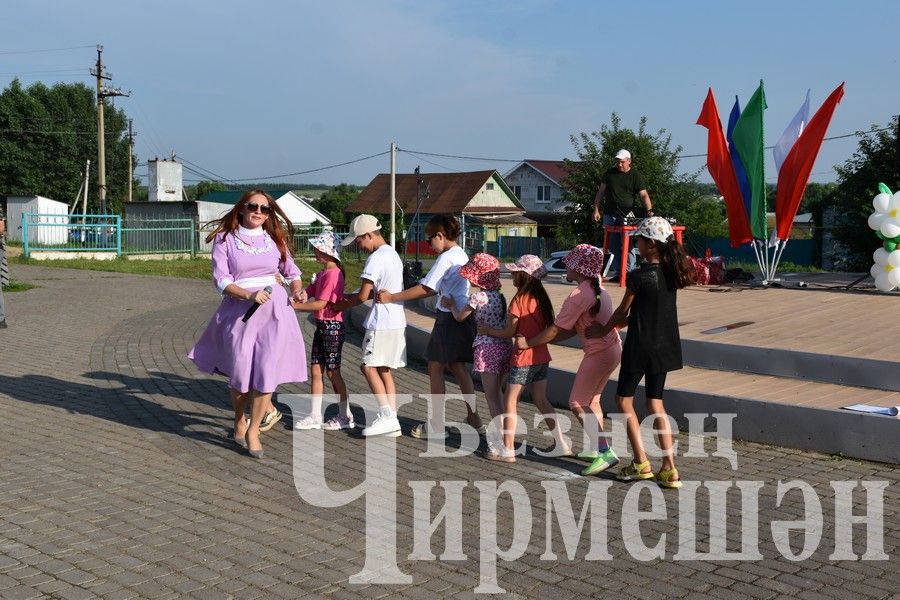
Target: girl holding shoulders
x,y
653,345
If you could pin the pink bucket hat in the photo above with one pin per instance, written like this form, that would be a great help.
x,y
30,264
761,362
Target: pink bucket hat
x,y
585,259
327,242
530,264
482,270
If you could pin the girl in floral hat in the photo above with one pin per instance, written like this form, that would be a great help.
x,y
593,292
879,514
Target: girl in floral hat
x,y
530,312
587,304
652,346
491,354
326,289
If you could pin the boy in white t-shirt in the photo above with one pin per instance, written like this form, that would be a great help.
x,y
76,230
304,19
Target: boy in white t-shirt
x,y
384,344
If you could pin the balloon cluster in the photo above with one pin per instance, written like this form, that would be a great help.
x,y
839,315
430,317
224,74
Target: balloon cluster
x,y
886,223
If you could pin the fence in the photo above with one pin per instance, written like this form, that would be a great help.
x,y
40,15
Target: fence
x,y
71,233
159,236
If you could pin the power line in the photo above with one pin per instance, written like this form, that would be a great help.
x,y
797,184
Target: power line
x,y
423,159
7,52
834,137
460,157
349,162
47,71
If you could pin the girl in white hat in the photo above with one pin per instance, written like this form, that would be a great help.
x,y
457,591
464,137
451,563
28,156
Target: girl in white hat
x,y
326,289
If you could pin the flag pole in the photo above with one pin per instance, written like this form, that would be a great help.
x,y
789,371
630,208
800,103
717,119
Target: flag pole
x,y
778,254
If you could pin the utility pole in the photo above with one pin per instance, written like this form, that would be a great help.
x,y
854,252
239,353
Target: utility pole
x,y
130,159
393,195
103,91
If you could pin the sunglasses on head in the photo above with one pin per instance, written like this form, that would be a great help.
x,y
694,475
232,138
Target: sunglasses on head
x,y
254,207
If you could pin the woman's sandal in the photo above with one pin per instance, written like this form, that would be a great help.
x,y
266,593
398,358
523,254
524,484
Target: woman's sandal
x,y
634,472
668,478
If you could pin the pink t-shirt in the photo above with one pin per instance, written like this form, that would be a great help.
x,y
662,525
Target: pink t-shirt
x,y
329,286
574,315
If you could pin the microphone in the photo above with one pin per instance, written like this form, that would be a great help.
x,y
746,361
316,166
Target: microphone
x,y
252,309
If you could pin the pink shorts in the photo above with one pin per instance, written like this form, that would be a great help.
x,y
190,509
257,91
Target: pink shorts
x,y
492,358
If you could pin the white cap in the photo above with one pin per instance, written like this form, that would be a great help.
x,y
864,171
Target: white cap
x,y
361,225
623,155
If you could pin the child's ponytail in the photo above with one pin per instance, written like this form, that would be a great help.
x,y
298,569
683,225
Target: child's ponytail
x,y
675,264
595,285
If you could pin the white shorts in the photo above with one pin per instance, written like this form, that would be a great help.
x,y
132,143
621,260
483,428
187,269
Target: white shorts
x,y
384,348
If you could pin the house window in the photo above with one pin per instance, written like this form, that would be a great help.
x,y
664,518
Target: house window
x,y
543,193
512,232
517,191
489,186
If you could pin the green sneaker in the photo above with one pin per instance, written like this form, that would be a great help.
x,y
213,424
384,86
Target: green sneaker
x,y
588,455
604,460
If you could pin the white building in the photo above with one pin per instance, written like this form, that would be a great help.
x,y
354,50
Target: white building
x,y
49,228
165,180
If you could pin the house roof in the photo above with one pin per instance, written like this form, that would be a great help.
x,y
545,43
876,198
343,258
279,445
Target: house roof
x,y
554,170
501,219
232,196
448,193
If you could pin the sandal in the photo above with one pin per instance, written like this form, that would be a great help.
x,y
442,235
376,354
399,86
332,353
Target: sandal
x,y
668,478
634,472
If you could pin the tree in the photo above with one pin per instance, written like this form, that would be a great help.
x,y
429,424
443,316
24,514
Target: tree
x,y
875,161
334,202
674,194
47,134
203,187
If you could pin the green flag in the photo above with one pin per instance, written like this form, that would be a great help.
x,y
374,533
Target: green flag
x,y
748,141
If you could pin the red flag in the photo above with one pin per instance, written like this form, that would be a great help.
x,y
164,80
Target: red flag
x,y
794,173
718,161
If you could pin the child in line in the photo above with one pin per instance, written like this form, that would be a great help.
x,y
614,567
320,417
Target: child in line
x,y
384,343
319,298
587,304
490,354
530,311
450,344
652,346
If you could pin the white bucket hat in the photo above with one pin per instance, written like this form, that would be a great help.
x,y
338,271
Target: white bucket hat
x,y
327,242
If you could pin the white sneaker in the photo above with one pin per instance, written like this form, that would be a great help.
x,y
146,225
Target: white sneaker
x,y
308,422
389,426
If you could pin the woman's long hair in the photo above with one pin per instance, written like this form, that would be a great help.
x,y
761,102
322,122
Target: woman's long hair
x,y
532,286
278,226
678,270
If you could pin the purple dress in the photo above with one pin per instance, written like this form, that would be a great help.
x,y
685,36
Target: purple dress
x,y
268,349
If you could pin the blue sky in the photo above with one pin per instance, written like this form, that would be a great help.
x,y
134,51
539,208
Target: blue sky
x,y
248,90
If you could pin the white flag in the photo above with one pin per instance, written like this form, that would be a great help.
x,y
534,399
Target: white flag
x,y
790,135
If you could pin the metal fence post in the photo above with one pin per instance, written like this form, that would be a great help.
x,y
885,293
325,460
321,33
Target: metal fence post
x,y
25,218
119,235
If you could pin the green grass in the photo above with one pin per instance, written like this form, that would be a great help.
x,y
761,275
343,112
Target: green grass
x,y
783,267
17,286
189,268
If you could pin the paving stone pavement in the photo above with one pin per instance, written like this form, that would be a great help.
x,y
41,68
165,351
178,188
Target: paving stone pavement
x,y
118,481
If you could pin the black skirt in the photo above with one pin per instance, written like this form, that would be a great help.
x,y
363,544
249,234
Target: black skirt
x,y
451,341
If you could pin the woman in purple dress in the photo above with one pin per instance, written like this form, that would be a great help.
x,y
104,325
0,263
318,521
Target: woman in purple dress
x,y
251,244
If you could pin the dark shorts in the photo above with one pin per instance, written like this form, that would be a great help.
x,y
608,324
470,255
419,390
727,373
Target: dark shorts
x,y
450,341
327,344
654,384
528,374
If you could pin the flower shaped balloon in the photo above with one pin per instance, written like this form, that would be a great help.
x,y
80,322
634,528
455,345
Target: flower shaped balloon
x,y
886,218
886,269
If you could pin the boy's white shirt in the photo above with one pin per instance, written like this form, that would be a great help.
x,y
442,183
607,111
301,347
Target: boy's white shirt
x,y
385,270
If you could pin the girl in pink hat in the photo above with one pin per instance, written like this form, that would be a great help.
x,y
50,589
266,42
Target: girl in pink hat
x,y
587,304
530,311
491,354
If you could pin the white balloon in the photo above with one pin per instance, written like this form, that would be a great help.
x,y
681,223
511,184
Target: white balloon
x,y
882,283
894,277
894,202
880,202
875,220
894,259
880,257
876,270
890,228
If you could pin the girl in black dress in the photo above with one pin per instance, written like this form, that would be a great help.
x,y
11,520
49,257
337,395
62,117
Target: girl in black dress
x,y
652,347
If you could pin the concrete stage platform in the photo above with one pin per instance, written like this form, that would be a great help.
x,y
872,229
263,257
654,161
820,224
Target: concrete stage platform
x,y
785,360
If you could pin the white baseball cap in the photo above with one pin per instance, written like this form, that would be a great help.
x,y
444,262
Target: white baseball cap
x,y
361,225
623,155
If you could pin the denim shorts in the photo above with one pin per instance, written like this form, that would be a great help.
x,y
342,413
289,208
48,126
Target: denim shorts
x,y
528,374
